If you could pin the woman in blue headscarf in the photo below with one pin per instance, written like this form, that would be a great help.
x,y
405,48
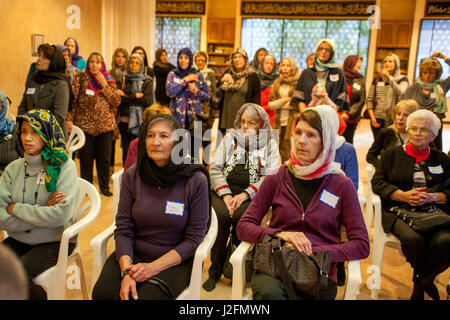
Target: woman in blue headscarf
x,y
9,150
77,60
136,93
38,195
186,89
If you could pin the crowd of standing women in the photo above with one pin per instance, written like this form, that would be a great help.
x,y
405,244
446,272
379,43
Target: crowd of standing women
x,y
253,168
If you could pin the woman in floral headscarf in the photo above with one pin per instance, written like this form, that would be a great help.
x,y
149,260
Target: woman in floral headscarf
x,y
38,195
239,85
96,99
244,158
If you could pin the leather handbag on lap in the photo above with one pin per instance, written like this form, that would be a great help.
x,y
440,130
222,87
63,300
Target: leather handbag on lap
x,y
424,219
308,274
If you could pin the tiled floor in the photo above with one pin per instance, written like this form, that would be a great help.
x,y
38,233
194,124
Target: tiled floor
x,y
396,276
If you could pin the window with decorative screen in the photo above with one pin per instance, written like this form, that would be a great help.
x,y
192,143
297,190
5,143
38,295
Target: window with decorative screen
x,y
298,38
173,34
434,36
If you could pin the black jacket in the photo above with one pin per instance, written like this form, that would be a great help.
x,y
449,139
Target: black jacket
x,y
358,98
161,78
395,171
10,150
385,139
129,99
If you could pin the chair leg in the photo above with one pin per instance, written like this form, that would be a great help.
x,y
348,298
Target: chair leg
x,y
84,289
377,260
368,217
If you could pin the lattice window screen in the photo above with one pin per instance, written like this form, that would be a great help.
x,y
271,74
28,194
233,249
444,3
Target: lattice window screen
x,y
173,34
434,36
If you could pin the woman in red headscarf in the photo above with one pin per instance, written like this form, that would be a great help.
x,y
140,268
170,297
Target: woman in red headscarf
x,y
96,97
356,91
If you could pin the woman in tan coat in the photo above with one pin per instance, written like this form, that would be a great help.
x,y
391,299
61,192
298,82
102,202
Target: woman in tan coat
x,y
280,99
96,97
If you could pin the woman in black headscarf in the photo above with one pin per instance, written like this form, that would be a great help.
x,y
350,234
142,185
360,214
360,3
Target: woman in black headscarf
x,y
161,220
48,88
161,68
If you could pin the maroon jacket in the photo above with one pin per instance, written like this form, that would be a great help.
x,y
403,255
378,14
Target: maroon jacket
x,y
320,223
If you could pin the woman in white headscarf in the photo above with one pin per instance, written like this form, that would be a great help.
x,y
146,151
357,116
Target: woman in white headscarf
x,y
244,158
385,92
310,196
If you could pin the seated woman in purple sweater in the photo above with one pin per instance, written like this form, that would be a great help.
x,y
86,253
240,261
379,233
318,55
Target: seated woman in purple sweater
x,y
310,197
162,218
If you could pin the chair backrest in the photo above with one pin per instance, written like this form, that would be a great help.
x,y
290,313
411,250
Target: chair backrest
x,y
76,140
117,180
93,198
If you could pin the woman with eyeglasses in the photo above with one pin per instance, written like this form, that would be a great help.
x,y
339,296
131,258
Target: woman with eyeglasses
x,y
429,90
385,92
325,79
416,177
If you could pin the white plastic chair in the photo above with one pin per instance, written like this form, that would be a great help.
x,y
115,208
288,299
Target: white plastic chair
x,y
76,140
372,203
380,238
237,260
54,278
99,247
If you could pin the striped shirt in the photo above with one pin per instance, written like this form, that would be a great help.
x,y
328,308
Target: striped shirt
x,y
388,94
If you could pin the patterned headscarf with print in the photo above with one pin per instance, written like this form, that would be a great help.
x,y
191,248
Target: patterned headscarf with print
x,y
94,85
54,153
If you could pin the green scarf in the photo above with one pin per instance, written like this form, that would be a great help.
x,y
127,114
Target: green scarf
x,y
54,152
441,101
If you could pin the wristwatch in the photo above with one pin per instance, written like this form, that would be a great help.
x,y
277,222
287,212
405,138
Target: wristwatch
x,y
434,197
123,273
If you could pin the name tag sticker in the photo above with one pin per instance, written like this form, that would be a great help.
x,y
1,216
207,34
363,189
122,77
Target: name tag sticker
x,y
334,77
31,90
329,198
356,86
89,92
433,95
380,84
174,208
436,170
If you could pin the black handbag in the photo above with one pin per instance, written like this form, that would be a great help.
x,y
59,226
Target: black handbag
x,y
228,268
424,219
308,274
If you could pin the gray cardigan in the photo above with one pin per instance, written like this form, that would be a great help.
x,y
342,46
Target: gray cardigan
x,y
53,96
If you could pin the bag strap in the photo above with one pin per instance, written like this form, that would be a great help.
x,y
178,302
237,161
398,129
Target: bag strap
x,y
322,279
279,262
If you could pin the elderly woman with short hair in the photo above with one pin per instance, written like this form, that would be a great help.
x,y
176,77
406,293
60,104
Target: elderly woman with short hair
x,y
429,90
245,156
411,176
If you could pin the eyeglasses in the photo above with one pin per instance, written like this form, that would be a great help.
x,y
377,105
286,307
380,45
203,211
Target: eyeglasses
x,y
325,49
421,131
